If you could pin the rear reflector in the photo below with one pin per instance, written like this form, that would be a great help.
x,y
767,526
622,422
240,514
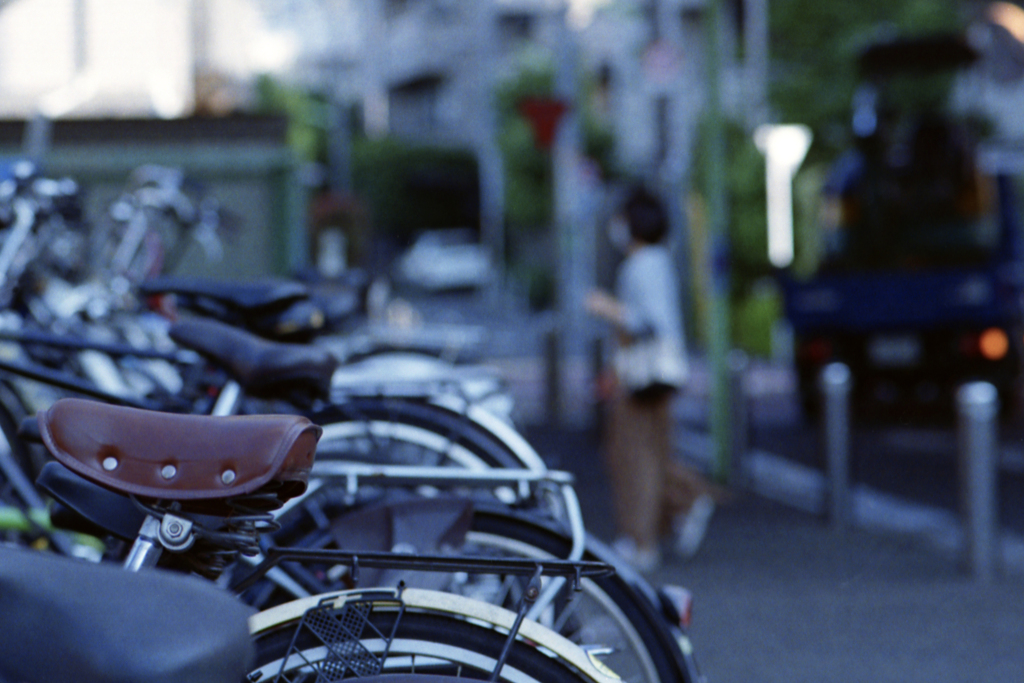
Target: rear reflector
x,y
678,603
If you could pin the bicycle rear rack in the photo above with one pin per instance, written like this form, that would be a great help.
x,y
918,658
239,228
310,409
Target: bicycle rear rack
x,y
566,569
521,483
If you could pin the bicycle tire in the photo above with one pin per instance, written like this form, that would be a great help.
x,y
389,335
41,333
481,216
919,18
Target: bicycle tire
x,y
645,651
435,634
408,432
608,611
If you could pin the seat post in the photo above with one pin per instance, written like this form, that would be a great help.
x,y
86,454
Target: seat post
x,y
147,547
228,399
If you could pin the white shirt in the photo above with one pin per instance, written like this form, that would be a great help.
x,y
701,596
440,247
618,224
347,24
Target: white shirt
x,y
648,290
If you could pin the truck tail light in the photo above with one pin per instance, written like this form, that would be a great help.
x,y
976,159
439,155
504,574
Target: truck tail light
x,y
816,351
994,344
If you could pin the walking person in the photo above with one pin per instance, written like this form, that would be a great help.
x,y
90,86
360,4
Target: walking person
x,y
655,497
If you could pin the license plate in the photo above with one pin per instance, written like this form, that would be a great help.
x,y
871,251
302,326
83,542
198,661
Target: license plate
x,y
894,351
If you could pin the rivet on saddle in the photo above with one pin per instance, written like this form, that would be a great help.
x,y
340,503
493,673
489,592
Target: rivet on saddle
x,y
180,457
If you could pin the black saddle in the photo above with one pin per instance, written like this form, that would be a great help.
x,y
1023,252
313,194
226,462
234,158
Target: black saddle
x,y
246,297
88,508
69,620
262,367
276,309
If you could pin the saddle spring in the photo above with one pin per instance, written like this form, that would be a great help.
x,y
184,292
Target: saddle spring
x,y
219,539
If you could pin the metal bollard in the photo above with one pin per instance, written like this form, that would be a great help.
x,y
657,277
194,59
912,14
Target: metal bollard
x,y
835,383
738,364
977,432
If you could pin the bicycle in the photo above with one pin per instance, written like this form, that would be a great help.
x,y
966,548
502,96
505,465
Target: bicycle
x,y
643,629
628,615
112,626
156,194
647,654
425,427
207,485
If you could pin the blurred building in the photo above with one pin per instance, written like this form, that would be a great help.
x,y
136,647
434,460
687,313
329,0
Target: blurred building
x,y
421,70
650,58
424,70
417,69
427,70
162,58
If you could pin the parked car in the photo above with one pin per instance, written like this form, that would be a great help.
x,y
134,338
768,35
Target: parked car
x,y
446,259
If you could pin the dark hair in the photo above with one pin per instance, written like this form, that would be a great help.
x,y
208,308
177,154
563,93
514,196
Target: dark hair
x,y
645,216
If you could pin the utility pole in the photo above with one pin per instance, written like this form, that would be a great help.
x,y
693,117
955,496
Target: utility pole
x,y
489,158
339,142
670,168
375,69
717,257
755,49
565,162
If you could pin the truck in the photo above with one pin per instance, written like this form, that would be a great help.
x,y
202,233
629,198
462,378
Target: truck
x,y
920,283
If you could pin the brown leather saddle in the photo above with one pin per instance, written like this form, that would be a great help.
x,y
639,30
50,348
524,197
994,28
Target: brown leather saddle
x,y
174,457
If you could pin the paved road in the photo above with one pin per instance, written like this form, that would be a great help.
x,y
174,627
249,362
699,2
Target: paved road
x,y
781,596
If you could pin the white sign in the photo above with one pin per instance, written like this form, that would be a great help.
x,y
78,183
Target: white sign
x,y
784,148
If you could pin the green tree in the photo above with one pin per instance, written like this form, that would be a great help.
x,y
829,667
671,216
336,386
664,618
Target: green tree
x,y
752,307
306,112
408,188
528,186
814,49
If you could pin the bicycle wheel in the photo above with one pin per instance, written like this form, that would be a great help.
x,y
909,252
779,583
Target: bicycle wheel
x,y
607,612
353,634
409,432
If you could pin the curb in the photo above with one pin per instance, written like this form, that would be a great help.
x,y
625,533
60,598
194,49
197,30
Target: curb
x,y
804,488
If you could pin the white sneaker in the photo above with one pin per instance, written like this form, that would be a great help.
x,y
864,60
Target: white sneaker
x,y
640,559
693,526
